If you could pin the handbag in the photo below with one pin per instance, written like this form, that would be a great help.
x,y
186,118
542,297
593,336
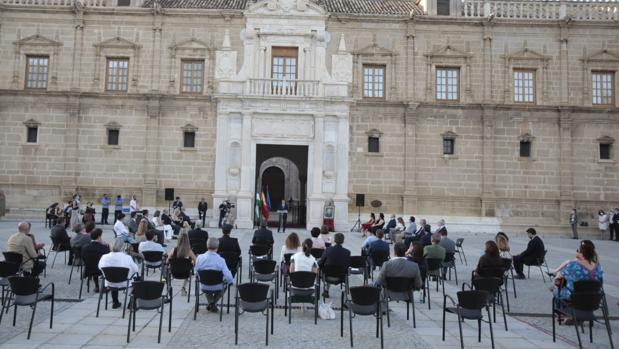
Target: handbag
x,y
325,311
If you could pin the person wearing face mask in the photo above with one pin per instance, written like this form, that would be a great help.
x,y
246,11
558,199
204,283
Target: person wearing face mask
x,y
535,250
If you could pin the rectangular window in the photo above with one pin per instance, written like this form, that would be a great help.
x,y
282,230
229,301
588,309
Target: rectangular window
x,y
442,7
524,86
113,137
373,81
284,69
193,74
37,68
449,146
373,145
447,83
124,2
603,87
605,151
117,74
189,139
32,134
525,149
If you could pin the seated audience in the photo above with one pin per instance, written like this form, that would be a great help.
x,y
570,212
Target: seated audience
x,y
140,234
263,236
335,256
399,266
22,243
415,254
379,244
95,247
368,240
121,231
502,242
490,261
426,237
197,239
304,261
585,266
434,250
210,260
291,245
117,258
227,243
534,251
151,246
380,222
183,250
365,227
324,234
63,241
317,242
448,244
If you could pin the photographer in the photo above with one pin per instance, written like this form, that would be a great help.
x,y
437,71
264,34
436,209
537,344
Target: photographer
x,y
224,210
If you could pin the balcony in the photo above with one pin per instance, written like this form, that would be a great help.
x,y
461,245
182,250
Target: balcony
x,y
287,88
545,10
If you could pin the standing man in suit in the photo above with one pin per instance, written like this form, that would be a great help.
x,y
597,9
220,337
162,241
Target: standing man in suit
x,y
399,266
574,223
202,208
335,256
282,210
227,243
105,208
535,250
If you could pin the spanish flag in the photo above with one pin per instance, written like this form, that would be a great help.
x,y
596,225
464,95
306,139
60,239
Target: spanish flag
x,y
264,207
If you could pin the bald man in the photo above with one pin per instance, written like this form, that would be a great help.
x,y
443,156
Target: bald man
x,y
22,243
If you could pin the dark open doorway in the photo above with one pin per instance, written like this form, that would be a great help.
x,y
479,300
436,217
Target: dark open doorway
x,y
283,168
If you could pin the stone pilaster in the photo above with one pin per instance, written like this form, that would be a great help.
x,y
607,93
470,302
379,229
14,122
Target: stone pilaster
x,y
151,164
245,197
71,143
488,195
566,195
409,199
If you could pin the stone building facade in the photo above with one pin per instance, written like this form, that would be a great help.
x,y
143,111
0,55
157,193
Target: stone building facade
x,y
476,108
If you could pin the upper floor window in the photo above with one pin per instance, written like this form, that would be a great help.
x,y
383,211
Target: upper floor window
x,y
124,2
603,87
373,81
524,85
117,74
193,75
447,84
284,63
37,68
32,134
442,7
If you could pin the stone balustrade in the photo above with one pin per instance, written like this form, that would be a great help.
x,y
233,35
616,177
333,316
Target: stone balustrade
x,y
58,3
534,9
276,87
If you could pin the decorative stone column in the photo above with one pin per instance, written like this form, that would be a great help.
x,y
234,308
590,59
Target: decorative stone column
x,y
409,200
315,199
151,147
488,195
245,197
341,187
566,195
220,192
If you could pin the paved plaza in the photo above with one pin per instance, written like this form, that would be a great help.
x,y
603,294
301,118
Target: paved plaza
x,y
75,324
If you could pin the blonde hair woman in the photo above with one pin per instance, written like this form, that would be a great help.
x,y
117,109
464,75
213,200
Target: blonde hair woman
x,y
140,234
502,242
183,250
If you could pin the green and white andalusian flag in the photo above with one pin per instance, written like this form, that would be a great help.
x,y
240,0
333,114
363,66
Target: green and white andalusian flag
x,y
258,206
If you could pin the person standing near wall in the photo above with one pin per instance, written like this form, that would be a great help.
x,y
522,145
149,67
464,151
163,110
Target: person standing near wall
x,y
574,223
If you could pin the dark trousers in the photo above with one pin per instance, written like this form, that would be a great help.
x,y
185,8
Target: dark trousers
x,y
521,261
611,229
116,213
221,218
202,216
105,212
282,222
114,293
574,231
37,269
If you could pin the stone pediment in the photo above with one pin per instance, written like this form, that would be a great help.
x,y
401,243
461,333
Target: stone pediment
x,y
286,8
606,140
191,44
374,50
117,42
527,54
448,51
31,123
189,128
527,137
37,40
112,125
602,56
449,135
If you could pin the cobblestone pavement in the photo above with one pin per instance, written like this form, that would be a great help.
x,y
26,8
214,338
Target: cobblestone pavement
x,y
75,324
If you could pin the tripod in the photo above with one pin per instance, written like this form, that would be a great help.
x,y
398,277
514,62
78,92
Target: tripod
x,y
357,226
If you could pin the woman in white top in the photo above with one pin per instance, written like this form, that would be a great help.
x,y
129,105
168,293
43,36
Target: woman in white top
x,y
324,234
304,261
317,242
603,220
291,245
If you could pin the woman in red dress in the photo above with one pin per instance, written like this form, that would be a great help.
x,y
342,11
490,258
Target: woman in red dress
x,y
366,226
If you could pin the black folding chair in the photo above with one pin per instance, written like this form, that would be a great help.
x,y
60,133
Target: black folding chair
x,y
198,246
399,289
492,285
7,269
266,271
78,262
90,271
435,270
13,257
117,275
253,298
148,295
470,305
153,260
376,259
317,252
57,247
359,266
235,265
334,274
364,301
179,269
210,278
257,252
448,264
586,298
508,272
302,288
26,291
285,269
538,262
460,250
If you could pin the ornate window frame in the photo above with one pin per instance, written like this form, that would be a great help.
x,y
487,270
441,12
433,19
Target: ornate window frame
x,y
112,126
373,133
195,50
112,48
449,57
602,60
526,59
449,135
610,141
35,45
32,123
526,137
185,129
375,55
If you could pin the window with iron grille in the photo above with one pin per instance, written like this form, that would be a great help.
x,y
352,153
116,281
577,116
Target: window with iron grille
x,y
525,149
373,81
193,74
32,134
605,151
373,144
37,68
449,146
189,139
117,74
113,137
447,83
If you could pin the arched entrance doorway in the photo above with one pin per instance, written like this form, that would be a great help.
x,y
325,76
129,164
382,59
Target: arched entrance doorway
x,y
274,181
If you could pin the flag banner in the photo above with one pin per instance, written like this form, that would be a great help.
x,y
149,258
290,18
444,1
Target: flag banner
x,y
258,204
268,199
265,209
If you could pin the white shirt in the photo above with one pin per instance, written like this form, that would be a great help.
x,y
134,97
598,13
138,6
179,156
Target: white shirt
x,y
302,262
150,246
118,259
133,205
120,229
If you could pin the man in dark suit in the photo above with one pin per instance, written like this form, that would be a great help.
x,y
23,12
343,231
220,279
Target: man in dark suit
x,y
96,248
337,257
263,236
399,267
197,239
534,251
228,244
202,208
